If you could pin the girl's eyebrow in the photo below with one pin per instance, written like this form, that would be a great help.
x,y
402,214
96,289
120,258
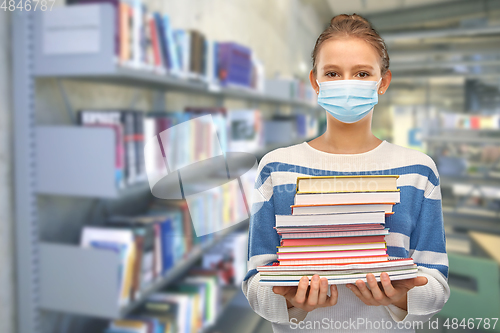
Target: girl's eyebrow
x,y
361,66
330,66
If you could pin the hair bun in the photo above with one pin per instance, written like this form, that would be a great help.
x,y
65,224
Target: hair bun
x,y
344,18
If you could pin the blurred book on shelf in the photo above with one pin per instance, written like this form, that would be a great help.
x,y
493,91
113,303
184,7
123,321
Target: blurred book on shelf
x,y
469,121
245,128
286,129
195,302
129,140
469,159
151,244
228,258
280,129
146,40
290,88
121,241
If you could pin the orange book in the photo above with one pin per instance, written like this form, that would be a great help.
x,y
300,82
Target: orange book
x,y
124,12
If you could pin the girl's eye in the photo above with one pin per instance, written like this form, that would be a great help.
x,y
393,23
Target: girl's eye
x,y
333,74
363,74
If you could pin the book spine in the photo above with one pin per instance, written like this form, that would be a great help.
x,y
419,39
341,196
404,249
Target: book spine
x,y
139,144
155,42
124,32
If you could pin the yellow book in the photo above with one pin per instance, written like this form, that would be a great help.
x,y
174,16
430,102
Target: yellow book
x,y
129,274
356,183
132,325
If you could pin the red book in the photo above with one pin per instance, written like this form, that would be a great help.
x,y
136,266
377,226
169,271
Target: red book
x,y
327,241
474,122
155,41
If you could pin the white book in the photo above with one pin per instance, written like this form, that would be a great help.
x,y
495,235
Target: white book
x,y
347,198
92,235
330,219
337,281
297,277
370,265
138,50
337,272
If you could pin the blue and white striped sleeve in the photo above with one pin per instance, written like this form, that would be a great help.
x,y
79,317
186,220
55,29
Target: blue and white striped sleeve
x,y
262,242
428,250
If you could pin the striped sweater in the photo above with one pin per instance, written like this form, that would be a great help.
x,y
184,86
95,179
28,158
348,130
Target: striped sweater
x,y
416,231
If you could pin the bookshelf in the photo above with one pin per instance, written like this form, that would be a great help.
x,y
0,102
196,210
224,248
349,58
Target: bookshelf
x,y
97,293
471,270
36,158
462,139
101,66
471,180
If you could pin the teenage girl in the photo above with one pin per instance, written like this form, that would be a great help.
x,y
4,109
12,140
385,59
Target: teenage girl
x,y
350,71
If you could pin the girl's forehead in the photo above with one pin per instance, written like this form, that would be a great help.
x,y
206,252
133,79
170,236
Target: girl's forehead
x,y
347,52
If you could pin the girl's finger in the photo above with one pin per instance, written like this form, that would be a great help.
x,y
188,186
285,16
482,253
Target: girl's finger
x,y
300,296
323,291
356,292
377,294
334,294
312,299
388,288
367,294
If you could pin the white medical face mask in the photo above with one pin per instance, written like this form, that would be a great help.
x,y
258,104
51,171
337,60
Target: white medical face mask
x,y
348,100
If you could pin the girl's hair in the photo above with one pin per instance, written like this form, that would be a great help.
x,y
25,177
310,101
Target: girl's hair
x,y
353,26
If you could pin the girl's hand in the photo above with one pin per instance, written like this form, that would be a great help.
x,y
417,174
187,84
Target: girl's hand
x,y
392,293
308,297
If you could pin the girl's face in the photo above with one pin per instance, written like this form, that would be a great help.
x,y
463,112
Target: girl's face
x,y
348,59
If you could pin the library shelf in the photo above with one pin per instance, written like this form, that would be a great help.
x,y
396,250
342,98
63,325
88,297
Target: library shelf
x,y
237,316
79,161
228,294
461,139
465,222
50,275
99,64
146,79
69,272
469,179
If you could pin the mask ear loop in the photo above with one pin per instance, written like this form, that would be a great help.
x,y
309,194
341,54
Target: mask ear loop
x,y
377,85
317,92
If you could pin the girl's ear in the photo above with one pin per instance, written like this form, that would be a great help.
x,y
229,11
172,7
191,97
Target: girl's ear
x,y
386,81
314,84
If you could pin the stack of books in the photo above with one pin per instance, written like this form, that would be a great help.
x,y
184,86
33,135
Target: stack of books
x,y
337,230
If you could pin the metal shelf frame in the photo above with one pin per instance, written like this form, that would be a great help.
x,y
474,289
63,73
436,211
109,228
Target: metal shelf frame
x,y
145,79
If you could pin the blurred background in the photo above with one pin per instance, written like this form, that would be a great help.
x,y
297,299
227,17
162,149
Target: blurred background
x,y
84,84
